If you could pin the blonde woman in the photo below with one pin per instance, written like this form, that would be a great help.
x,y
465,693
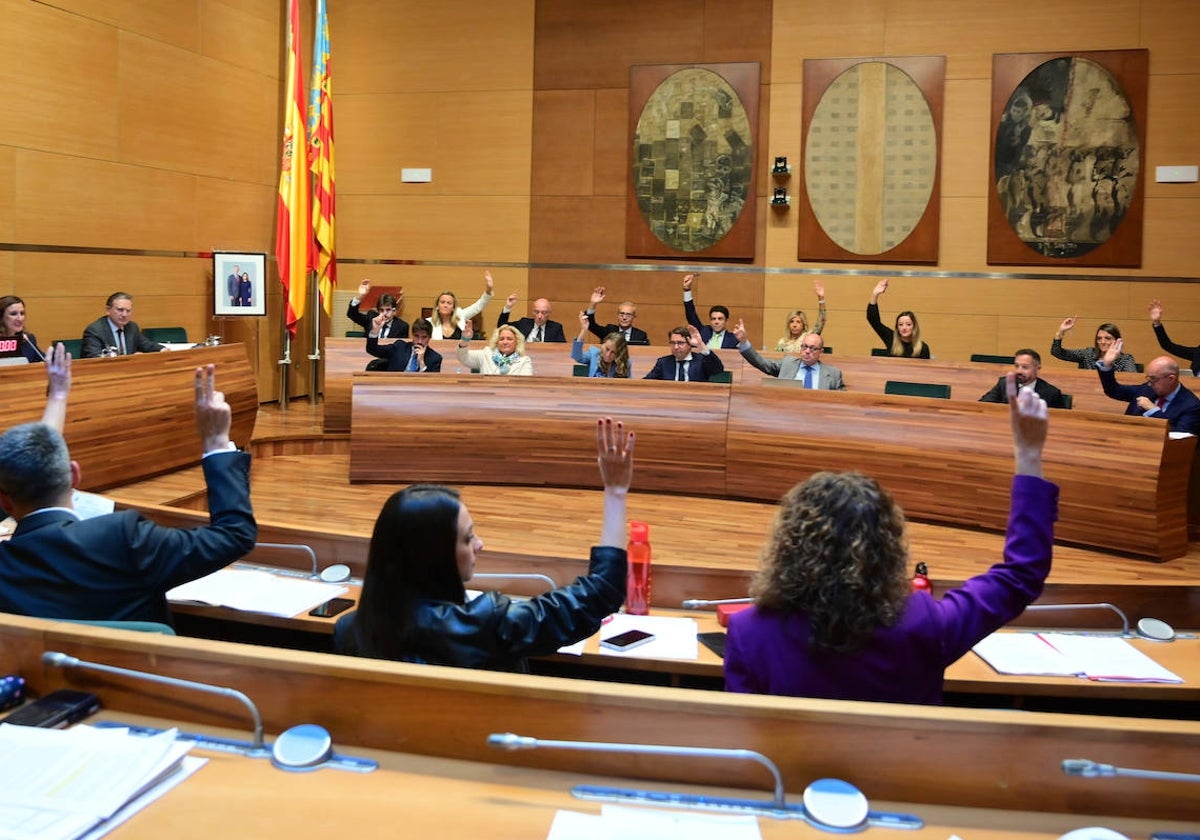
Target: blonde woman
x,y
448,318
797,323
505,355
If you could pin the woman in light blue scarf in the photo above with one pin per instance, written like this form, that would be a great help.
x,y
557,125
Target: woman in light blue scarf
x,y
505,355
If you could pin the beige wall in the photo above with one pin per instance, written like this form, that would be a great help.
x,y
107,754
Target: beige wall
x,y
154,127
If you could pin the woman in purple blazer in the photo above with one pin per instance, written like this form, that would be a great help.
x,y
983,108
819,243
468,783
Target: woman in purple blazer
x,y
834,616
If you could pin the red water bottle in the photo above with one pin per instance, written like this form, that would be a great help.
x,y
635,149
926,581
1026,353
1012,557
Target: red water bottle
x,y
637,585
920,581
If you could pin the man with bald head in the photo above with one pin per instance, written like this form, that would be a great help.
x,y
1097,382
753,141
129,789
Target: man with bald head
x,y
1162,397
539,327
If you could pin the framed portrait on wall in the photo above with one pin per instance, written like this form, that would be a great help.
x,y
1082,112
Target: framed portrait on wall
x,y
239,283
1067,176
692,161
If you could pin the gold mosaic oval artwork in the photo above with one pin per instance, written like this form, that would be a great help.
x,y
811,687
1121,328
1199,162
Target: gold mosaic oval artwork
x,y
693,159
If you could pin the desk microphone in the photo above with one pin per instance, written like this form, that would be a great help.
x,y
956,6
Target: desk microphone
x,y
41,355
303,747
517,576
829,804
61,660
700,603
336,573
1147,628
1088,769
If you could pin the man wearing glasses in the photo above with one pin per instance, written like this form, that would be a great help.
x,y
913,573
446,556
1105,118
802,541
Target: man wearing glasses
x,y
690,359
626,313
1161,397
807,368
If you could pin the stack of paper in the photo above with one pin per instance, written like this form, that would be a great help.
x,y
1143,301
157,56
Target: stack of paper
x,y
261,592
58,784
1109,658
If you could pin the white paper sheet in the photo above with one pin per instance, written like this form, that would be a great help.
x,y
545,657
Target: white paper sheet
x,y
674,638
1108,658
255,591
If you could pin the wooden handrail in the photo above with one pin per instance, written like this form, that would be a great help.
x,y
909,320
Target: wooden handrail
x,y
131,417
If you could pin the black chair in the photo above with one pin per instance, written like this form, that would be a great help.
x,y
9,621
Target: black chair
x,y
721,376
880,351
917,389
580,370
988,358
74,346
356,334
1068,401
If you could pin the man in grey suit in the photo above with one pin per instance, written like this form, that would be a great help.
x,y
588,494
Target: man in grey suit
x,y
808,369
116,330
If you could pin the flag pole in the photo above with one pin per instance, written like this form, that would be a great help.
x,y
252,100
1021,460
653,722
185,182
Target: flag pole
x,y
315,356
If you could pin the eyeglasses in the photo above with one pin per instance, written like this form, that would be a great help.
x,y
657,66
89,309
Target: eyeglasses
x,y
1156,377
812,347
679,343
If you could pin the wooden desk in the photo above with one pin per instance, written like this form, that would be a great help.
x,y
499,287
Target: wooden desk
x,y
944,461
131,417
979,759
233,797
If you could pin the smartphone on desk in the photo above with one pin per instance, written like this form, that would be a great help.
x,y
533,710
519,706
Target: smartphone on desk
x,y
57,710
332,607
627,640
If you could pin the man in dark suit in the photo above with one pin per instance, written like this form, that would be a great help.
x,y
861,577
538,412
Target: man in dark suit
x,y
116,329
807,368
414,356
116,567
1161,397
690,360
389,306
1028,364
535,329
714,333
626,313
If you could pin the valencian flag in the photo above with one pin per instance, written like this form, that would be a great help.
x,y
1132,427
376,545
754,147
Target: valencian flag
x,y
293,229
320,154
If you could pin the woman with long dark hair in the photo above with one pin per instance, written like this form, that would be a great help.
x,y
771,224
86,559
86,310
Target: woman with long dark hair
x,y
414,606
12,327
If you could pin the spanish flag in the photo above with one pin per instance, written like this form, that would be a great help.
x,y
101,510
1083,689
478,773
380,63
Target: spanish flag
x,y
320,153
293,227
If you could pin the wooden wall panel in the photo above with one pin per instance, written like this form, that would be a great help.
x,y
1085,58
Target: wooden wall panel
x,y
8,193
59,75
229,215
177,113
484,140
803,29
435,228
377,134
919,27
173,21
1172,102
432,45
577,229
564,128
237,34
1168,25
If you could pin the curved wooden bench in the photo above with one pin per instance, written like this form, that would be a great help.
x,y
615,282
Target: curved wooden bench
x,y
132,417
1124,482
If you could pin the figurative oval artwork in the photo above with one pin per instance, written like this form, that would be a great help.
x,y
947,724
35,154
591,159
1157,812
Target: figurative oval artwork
x,y
693,159
870,158
1067,157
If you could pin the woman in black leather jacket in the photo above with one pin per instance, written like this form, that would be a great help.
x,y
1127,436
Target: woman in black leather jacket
x,y
414,606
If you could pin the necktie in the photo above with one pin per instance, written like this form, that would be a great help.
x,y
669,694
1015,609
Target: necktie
x,y
1161,402
120,341
808,381
412,361
541,336
678,371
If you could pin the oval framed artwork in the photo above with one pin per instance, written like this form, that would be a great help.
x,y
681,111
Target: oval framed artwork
x,y
692,161
1068,141
872,149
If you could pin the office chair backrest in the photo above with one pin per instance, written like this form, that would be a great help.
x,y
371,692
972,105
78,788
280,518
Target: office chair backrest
x,y
166,335
917,389
136,626
990,359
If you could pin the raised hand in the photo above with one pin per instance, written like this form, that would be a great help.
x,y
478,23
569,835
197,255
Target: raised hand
x,y
614,454
1155,309
377,323
1114,350
488,283
583,320
687,282
739,330
1030,420
468,330
511,300
1067,324
214,417
58,386
694,339
597,296
819,288
363,288
880,288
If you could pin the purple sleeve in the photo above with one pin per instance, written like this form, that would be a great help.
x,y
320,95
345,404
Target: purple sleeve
x,y
987,602
739,674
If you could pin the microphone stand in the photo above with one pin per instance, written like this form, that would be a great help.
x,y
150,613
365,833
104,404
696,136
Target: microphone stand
x,y
777,807
701,603
1088,769
516,576
1103,606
